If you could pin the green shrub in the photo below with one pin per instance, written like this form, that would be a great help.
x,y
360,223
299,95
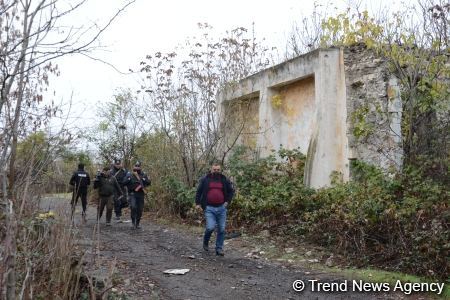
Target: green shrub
x,y
267,188
398,222
180,196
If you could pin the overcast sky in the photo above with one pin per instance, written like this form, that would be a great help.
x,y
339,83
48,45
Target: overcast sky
x,y
148,26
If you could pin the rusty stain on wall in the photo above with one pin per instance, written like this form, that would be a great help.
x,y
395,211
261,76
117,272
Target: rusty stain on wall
x,y
298,111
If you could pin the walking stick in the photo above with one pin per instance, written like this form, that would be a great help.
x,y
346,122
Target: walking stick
x,y
72,204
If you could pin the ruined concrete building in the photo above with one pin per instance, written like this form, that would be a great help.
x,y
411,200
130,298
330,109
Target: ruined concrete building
x,y
335,105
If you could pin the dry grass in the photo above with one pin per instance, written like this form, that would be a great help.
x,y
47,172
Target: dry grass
x,y
47,263
50,261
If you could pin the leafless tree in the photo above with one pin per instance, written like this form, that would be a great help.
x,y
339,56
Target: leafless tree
x,y
181,92
32,35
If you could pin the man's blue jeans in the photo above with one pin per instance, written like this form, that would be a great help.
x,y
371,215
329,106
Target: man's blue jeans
x,y
215,216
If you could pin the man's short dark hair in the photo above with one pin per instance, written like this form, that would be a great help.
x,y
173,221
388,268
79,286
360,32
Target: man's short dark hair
x,y
81,166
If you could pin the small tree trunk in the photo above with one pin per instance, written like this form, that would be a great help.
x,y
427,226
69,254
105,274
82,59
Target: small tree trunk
x,y
9,261
20,89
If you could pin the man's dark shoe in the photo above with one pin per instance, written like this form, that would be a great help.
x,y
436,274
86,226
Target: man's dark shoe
x,y
205,247
220,252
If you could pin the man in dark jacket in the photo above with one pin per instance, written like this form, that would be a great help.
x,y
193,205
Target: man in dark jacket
x,y
106,186
80,181
136,182
118,173
214,194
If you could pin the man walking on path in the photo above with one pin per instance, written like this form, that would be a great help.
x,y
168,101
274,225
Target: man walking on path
x,y
118,173
136,182
214,194
80,181
106,186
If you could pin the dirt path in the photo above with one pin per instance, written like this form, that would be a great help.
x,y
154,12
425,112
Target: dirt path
x,y
141,257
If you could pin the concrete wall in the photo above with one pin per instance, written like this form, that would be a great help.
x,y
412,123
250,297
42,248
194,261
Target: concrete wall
x,y
296,114
242,122
307,103
372,92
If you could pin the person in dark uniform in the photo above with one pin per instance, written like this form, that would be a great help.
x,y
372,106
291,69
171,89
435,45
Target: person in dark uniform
x,y
136,182
106,187
118,173
80,181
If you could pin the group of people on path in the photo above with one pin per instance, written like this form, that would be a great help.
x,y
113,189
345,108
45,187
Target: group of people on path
x,y
117,188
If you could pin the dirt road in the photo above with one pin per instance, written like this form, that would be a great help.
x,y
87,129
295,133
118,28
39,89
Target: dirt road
x,y
141,256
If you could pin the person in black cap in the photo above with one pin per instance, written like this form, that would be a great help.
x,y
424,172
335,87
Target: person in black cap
x,y
118,173
80,181
136,183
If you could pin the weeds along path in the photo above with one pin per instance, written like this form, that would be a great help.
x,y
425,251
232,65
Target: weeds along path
x,y
140,257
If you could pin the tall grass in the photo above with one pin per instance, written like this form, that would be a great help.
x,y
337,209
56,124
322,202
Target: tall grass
x,y
47,265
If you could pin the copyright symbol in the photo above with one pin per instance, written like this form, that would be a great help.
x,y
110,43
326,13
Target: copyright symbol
x,y
298,285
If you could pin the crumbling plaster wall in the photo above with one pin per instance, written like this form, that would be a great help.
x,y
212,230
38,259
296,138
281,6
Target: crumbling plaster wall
x,y
374,109
242,122
313,102
296,108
